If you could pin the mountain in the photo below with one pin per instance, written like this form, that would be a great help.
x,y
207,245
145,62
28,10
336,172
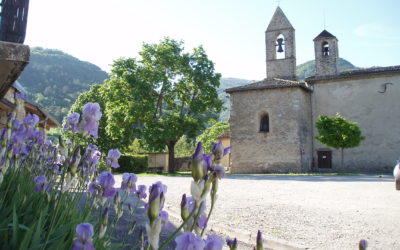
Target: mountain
x,y
307,69
55,79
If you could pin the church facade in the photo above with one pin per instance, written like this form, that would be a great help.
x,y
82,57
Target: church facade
x,y
272,121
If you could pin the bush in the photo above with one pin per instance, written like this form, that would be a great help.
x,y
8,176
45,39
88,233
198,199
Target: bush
x,y
132,164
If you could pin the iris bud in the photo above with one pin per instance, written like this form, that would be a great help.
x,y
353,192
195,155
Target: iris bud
x,y
198,163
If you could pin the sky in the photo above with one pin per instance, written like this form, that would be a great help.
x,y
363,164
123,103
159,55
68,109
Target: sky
x,y
231,31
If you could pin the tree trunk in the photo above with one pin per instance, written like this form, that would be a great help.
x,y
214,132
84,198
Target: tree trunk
x,y
341,163
171,156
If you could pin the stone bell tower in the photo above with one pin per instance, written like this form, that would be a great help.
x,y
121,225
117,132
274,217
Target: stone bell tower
x,y
280,47
326,54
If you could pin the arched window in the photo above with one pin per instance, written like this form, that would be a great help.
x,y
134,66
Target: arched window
x,y
325,49
264,123
280,47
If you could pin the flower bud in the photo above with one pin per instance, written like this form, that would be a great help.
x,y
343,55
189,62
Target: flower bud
x,y
232,244
184,208
362,245
259,241
198,163
156,200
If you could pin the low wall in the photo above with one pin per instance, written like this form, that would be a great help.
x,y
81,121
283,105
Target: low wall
x,y
183,163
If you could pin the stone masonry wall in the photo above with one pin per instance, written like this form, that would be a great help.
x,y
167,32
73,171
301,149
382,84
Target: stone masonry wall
x,y
377,114
326,65
279,150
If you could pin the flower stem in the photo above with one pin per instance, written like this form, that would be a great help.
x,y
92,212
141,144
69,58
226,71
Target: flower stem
x,y
164,244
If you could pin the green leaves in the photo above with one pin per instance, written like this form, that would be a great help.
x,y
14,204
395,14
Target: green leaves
x,y
210,135
337,132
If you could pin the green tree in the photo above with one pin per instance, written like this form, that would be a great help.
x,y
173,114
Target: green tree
x,y
210,135
337,132
184,147
163,95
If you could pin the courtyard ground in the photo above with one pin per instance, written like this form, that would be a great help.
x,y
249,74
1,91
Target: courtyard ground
x,y
299,212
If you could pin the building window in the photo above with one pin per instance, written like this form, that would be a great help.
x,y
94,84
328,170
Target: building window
x,y
264,123
280,47
325,49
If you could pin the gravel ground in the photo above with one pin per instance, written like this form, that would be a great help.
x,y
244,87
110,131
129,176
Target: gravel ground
x,y
313,212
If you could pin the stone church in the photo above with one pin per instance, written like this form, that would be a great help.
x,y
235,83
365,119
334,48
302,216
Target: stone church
x,y
272,121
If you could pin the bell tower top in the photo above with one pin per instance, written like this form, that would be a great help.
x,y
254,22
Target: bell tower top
x,y
279,21
280,47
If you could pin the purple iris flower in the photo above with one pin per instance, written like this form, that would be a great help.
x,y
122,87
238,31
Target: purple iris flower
x,y
129,182
141,192
214,242
84,234
38,137
72,122
219,151
94,188
112,158
106,181
207,162
30,121
90,119
202,221
41,183
188,240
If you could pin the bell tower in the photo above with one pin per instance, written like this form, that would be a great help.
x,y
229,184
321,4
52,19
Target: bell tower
x,y
326,54
280,47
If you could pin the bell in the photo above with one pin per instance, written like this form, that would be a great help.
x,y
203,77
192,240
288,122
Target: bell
x,y
326,51
280,43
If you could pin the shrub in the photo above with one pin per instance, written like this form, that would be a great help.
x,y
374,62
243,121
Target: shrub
x,y
132,164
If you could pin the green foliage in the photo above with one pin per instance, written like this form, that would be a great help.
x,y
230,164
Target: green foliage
x,y
54,79
132,164
33,220
163,95
184,147
337,132
210,135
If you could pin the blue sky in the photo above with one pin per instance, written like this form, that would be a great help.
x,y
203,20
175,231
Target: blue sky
x,y
231,31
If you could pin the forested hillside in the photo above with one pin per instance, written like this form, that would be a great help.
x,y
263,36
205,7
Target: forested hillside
x,y
307,69
55,79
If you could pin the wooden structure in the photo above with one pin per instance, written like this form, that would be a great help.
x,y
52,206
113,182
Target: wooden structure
x,y
13,20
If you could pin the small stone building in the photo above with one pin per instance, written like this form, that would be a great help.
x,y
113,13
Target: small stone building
x,y
272,121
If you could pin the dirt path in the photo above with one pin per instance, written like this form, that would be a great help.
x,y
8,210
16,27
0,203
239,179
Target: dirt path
x,y
314,212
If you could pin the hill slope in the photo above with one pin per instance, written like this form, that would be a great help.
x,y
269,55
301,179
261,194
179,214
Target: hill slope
x,y
307,69
55,79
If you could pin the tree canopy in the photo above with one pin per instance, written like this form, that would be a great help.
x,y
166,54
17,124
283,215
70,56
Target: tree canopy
x,y
210,135
164,94
337,132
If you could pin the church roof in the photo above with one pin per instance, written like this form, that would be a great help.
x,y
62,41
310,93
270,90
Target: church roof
x,y
358,73
269,84
324,34
279,21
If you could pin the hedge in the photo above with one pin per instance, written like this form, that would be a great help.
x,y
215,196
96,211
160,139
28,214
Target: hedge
x,y
132,164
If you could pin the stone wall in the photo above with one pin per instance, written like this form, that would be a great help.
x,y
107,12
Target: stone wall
x,y
326,65
279,150
183,163
359,100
